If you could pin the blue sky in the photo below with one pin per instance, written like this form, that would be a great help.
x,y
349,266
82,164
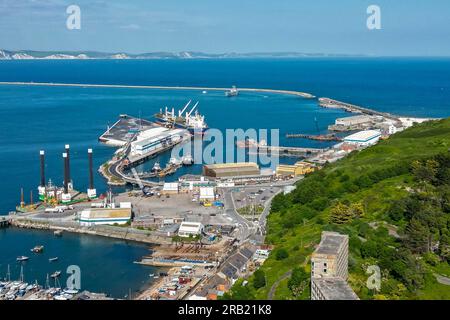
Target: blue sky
x,y
409,27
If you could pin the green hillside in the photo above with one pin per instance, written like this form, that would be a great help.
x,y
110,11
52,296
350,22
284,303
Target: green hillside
x,y
393,200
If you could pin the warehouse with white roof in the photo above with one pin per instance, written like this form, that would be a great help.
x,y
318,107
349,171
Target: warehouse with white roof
x,y
364,138
190,228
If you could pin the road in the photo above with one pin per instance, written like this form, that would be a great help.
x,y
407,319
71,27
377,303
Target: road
x,y
276,283
245,227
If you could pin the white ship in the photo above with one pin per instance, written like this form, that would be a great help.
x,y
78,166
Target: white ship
x,y
233,92
191,120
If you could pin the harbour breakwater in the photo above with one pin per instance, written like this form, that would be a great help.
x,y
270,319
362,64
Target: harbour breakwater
x,y
276,91
123,233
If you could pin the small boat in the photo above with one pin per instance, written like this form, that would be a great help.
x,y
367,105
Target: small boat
x,y
23,286
233,92
38,249
22,258
156,167
60,297
58,233
204,92
151,275
56,274
187,160
53,259
174,161
70,291
155,277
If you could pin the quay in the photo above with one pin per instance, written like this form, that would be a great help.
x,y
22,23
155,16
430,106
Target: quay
x,y
325,137
116,232
335,104
286,151
276,91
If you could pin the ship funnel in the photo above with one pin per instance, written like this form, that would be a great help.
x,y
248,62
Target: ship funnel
x,y
42,157
92,193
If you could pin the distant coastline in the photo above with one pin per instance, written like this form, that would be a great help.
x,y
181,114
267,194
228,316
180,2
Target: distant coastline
x,y
88,55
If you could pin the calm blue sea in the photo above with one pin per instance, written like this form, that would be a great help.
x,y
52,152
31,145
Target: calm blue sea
x,y
35,118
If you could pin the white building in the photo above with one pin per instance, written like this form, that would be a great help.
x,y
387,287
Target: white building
x,y
207,193
96,216
152,141
190,228
170,188
353,120
364,138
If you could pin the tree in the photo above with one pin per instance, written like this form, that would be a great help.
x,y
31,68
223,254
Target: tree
x,y
281,254
340,214
259,279
357,209
425,171
298,282
417,236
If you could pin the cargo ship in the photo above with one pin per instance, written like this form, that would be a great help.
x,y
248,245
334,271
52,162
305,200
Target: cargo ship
x,y
191,120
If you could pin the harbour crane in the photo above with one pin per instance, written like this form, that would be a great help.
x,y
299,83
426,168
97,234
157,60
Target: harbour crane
x,y
193,108
180,113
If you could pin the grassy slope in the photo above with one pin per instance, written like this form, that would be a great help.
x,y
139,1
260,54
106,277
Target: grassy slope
x,y
421,141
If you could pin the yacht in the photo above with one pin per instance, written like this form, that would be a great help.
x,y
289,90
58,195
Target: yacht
x,y
187,160
156,167
22,258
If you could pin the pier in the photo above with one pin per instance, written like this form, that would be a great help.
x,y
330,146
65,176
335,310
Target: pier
x,y
324,137
335,104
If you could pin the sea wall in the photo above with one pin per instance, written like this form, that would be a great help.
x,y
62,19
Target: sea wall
x,y
123,233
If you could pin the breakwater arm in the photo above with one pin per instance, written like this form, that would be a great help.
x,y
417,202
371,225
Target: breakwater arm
x,y
276,91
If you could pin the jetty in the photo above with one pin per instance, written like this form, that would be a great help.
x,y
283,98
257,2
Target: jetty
x,y
323,137
335,104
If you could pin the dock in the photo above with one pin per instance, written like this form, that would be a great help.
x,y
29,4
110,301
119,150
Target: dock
x,y
335,104
282,151
324,137
124,129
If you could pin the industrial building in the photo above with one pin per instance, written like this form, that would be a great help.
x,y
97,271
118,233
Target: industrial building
x,y
170,188
364,138
231,169
298,169
193,183
329,269
190,229
354,120
207,193
97,216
